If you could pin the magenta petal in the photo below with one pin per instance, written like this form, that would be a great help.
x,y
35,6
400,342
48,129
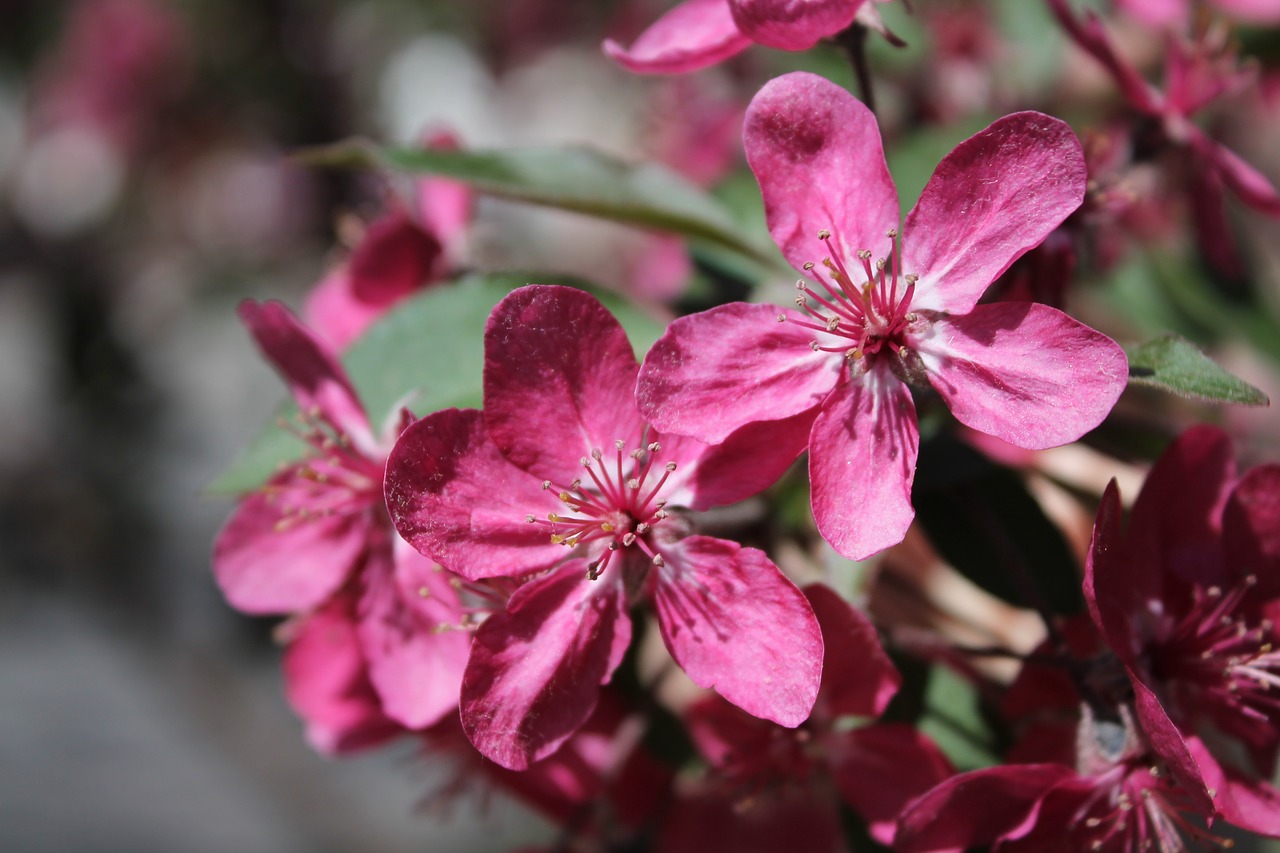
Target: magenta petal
x,y
879,769
1115,588
315,378
445,207
535,671
1251,530
862,460
335,314
410,629
735,623
559,380
395,258
976,808
1169,744
1250,804
1248,183
266,562
693,35
454,497
858,678
748,462
714,372
325,682
1023,372
792,25
1010,185
816,151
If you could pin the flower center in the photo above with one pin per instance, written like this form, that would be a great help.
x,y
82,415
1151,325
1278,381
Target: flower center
x,y
863,316
616,504
1142,810
336,479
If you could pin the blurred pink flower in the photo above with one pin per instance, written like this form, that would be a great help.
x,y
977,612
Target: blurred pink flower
x,y
516,489
1023,372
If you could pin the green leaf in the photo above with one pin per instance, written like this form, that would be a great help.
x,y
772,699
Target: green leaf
x,y
570,178
1174,364
427,354
953,718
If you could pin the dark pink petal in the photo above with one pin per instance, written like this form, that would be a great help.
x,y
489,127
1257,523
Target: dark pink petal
x,y
335,314
410,629
976,808
559,380
1115,591
454,497
792,24
1253,188
693,35
325,682
1023,372
1175,532
267,561
315,379
1251,804
862,459
395,258
714,372
748,462
999,193
735,623
858,679
1251,530
535,670
816,151
1168,742
879,769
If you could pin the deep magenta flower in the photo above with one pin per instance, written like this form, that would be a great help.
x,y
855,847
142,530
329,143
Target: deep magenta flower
x,y
316,541
1187,597
700,33
410,247
561,478
868,327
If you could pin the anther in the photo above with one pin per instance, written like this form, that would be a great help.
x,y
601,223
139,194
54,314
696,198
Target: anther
x,y
658,561
824,234
782,318
620,444
423,592
806,266
670,466
813,345
892,233
530,519
584,462
800,284
633,483
655,447
864,254
596,453
833,324
546,484
629,539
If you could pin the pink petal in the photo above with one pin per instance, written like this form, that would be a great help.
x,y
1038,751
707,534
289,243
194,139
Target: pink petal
x,y
1251,530
1010,185
325,682
410,629
1023,372
1115,590
445,207
792,24
1253,188
735,623
749,461
334,312
862,459
693,35
879,769
1251,11
976,808
535,671
395,258
559,380
267,561
1157,13
454,497
1170,745
858,679
1175,532
316,380
816,151
1250,804
714,372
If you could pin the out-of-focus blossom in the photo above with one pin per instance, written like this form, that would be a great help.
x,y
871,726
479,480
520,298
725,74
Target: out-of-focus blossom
x,y
410,247
1024,372
515,490
316,541
700,33
1178,13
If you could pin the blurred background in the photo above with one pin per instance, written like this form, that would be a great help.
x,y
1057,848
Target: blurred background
x,y
146,187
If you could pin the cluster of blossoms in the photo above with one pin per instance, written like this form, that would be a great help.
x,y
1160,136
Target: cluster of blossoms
x,y
488,580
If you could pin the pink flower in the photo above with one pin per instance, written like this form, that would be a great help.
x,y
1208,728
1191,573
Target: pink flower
x,y
700,33
561,478
1177,13
1187,599
316,541
869,329
405,250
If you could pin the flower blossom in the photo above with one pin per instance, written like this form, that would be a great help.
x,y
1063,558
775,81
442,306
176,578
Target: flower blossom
x,y
367,655
561,481
700,33
870,327
1187,599
1178,13
409,247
